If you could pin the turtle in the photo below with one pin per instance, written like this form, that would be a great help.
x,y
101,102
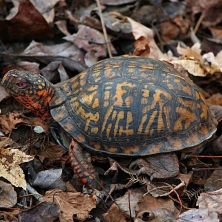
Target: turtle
x,y
125,106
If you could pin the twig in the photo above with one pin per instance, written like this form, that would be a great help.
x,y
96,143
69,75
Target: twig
x,y
198,23
104,29
178,197
33,191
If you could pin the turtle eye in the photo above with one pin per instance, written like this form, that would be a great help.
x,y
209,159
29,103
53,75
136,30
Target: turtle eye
x,y
21,85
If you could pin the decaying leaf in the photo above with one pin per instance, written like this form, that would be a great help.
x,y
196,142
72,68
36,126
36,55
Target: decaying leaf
x,y
211,201
141,30
3,93
198,215
71,204
140,203
214,182
196,64
90,39
50,179
113,213
8,122
46,8
8,196
45,211
192,66
214,62
9,166
26,24
215,99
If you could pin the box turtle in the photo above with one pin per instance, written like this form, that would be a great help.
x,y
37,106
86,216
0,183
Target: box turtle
x,y
121,107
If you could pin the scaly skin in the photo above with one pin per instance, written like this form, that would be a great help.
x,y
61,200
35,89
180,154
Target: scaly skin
x,y
31,90
35,93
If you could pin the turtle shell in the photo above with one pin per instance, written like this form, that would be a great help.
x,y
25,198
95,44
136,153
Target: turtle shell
x,y
133,106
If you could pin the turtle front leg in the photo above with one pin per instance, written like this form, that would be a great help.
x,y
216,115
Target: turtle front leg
x,y
82,166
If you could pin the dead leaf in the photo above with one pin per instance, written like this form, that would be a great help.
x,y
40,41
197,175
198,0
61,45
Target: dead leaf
x,y
192,66
8,196
46,8
214,182
193,52
66,50
9,166
113,213
173,28
27,24
210,9
150,203
214,62
3,94
132,197
90,39
50,179
141,47
71,204
10,215
140,203
198,215
215,99
45,211
7,142
23,65
211,201
54,153
141,30
62,26
8,122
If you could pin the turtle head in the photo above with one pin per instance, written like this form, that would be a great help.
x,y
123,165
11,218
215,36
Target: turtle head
x,y
30,89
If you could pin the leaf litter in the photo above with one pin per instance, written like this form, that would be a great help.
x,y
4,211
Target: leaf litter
x,y
60,39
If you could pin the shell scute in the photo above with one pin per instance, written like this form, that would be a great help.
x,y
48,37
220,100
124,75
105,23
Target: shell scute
x,y
133,106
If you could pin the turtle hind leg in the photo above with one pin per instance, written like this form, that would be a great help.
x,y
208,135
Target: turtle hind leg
x,y
82,166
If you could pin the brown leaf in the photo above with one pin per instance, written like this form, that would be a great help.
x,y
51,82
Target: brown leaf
x,y
214,182
172,29
53,152
141,30
45,211
113,213
198,215
71,204
211,201
132,197
141,47
46,8
151,203
9,166
27,24
139,203
3,94
192,66
8,196
215,99
90,39
8,122
10,215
